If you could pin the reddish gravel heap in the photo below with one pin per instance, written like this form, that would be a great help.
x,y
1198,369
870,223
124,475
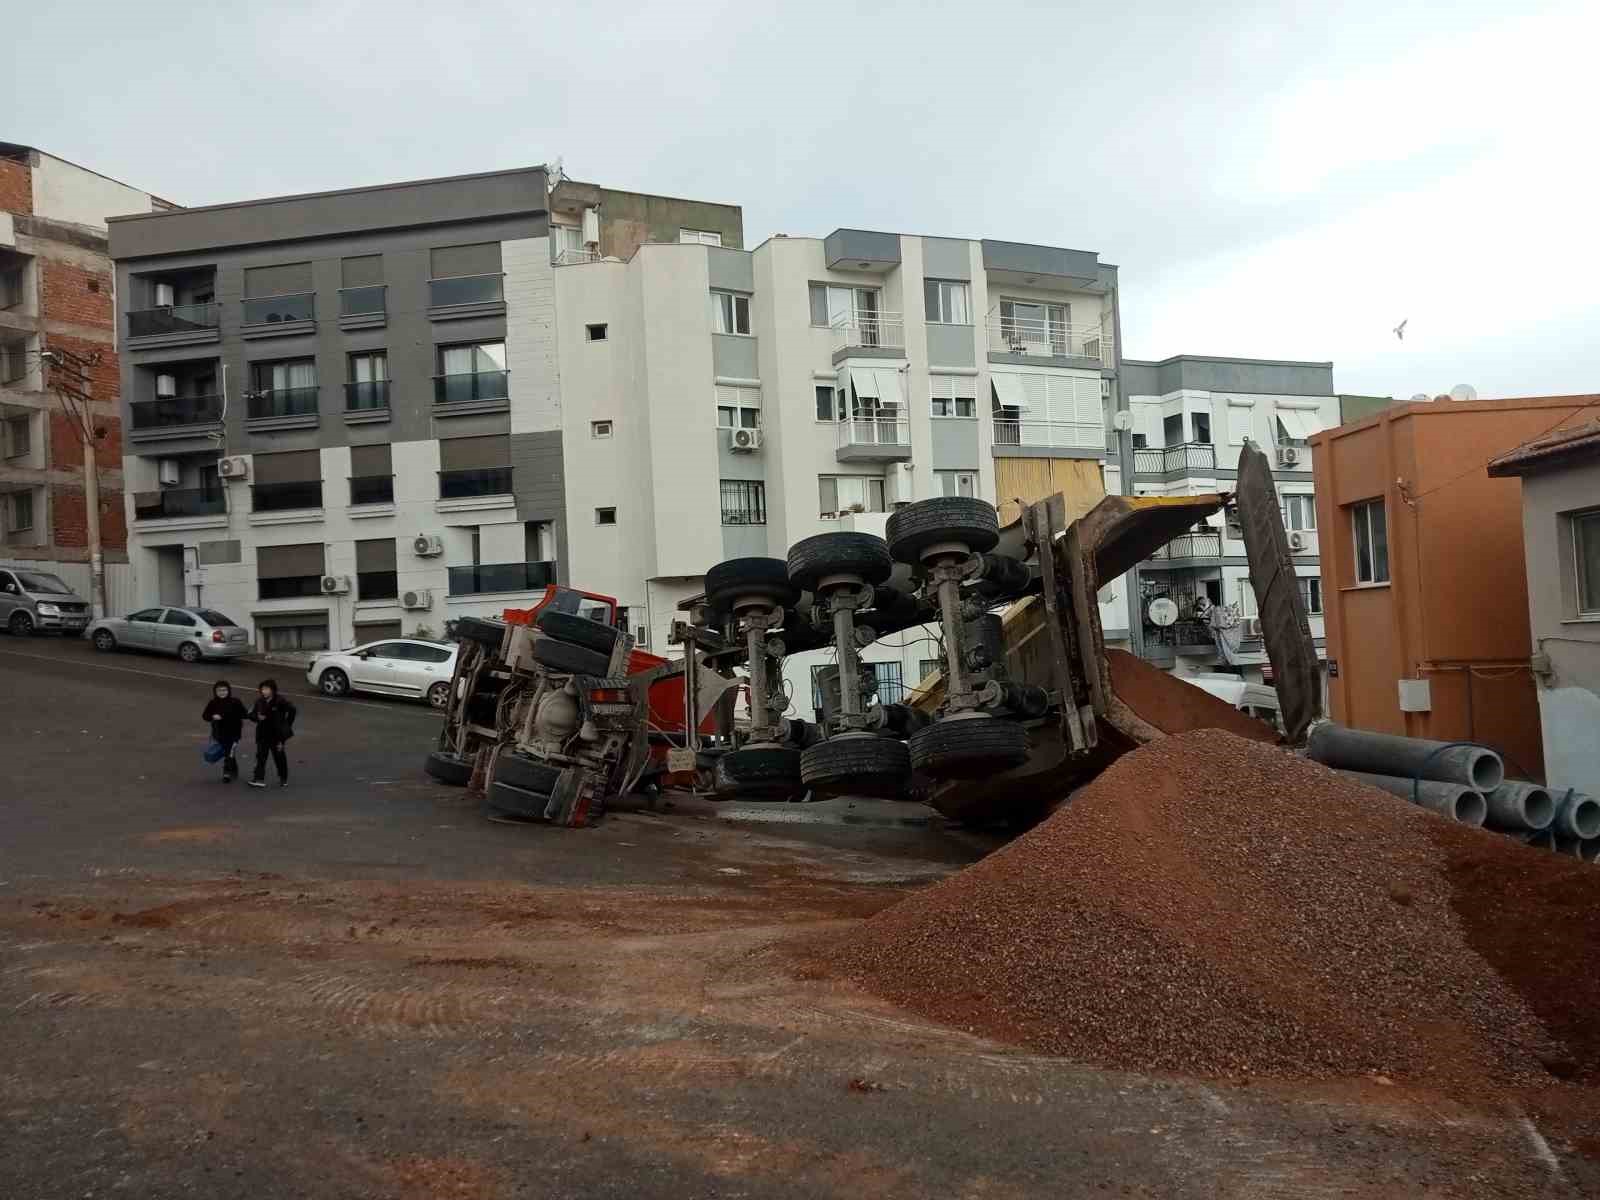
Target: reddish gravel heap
x,y
1214,906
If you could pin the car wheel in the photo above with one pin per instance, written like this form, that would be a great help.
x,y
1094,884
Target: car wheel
x,y
189,652
104,640
21,624
439,696
333,682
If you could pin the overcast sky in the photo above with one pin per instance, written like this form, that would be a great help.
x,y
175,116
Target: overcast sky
x,y
1275,180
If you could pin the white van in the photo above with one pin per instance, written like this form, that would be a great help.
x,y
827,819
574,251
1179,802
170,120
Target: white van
x,y
1253,699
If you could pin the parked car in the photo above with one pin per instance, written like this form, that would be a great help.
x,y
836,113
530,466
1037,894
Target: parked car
x,y
38,602
1253,699
190,633
393,667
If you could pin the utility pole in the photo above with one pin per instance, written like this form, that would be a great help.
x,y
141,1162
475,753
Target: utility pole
x,y
69,379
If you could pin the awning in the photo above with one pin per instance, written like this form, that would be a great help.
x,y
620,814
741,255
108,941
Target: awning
x,y
1299,423
1008,390
888,385
865,380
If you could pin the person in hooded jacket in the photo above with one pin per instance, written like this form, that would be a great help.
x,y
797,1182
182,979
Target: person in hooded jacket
x,y
227,717
274,718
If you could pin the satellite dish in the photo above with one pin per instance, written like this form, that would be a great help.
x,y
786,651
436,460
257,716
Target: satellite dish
x,y
1463,391
1122,421
1162,611
1421,398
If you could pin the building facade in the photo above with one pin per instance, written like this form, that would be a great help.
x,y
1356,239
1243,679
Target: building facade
x,y
57,293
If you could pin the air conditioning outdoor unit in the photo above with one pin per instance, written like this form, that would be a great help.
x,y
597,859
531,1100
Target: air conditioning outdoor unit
x,y
168,473
745,441
335,585
233,468
163,295
1288,456
166,386
1297,541
421,598
426,545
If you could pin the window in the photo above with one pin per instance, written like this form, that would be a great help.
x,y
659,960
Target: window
x,y
738,407
13,360
599,429
744,502
283,571
476,371
19,436
475,466
957,483
176,616
148,616
377,575
1300,512
212,617
19,515
310,633
1172,430
595,333
605,516
465,275
1310,593
371,631
700,237
368,385
930,666
11,287
1141,442
361,292
1285,438
849,493
283,388
953,396
288,479
730,312
826,409
1030,327
1371,541
882,679
1586,561
371,474
1202,428
834,305
946,302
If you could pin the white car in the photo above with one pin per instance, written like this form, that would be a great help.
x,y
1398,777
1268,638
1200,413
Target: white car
x,y
393,667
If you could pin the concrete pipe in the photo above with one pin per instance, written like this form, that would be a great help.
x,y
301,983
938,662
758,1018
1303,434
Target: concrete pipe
x,y
1576,815
1541,839
1453,800
1516,806
1385,754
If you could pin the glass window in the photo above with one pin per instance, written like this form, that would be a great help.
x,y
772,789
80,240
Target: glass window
x,y
1311,593
19,436
1202,427
605,516
1371,542
176,616
1586,549
148,616
600,429
1300,512
1172,430
849,493
20,518
473,359
295,637
957,483
372,367
825,409
701,237
730,312
212,617
946,302
744,502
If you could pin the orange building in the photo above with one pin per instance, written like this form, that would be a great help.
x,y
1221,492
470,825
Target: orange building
x,y
1423,580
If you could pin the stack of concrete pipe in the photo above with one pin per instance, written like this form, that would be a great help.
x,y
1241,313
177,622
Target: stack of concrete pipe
x,y
1463,782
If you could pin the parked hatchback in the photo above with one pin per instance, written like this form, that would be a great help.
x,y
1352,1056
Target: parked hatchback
x,y
394,667
39,602
190,633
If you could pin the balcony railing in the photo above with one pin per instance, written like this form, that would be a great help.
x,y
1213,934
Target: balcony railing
x,y
1075,434
501,577
172,318
875,431
465,289
282,402
370,394
372,489
884,330
1184,459
573,258
377,585
178,502
166,411
271,310
1192,545
1040,337
481,481
363,301
477,385
273,497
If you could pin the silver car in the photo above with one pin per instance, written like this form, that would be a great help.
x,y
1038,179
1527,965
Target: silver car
x,y
190,633
392,667
39,602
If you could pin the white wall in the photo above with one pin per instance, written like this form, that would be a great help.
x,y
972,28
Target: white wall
x,y
64,191
531,344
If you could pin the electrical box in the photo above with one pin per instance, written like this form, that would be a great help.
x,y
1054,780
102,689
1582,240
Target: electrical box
x,y
1416,695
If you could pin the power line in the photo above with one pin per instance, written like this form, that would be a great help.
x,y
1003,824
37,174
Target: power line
x,y
1473,470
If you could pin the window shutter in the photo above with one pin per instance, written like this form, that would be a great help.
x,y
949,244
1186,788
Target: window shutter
x,y
362,272
281,562
475,453
289,279
376,554
371,460
448,261
288,466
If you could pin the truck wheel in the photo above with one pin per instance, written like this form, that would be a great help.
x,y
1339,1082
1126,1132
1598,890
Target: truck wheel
x,y
520,803
964,519
568,659
580,631
488,634
815,558
767,578
448,768
760,772
969,746
856,765
527,773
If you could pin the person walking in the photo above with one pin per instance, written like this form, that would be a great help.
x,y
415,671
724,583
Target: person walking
x,y
274,718
227,716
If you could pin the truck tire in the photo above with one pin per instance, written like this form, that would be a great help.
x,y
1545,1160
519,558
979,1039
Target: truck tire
x,y
861,554
856,765
760,772
488,634
969,746
964,519
579,631
567,659
527,773
737,578
520,803
448,768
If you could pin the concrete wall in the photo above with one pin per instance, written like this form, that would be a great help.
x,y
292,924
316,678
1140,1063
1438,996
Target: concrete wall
x,y
629,220
64,191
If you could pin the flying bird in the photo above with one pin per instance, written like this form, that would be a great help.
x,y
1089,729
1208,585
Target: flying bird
x,y
1400,330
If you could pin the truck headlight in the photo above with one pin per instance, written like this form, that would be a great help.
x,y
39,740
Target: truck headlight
x,y
48,610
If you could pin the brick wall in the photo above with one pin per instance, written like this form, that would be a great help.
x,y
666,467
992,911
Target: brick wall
x,y
67,455
16,187
105,381
69,518
76,295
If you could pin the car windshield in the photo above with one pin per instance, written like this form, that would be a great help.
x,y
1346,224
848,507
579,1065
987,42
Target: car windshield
x,y
38,581
212,617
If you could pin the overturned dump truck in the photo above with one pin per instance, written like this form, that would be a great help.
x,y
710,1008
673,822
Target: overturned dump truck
x,y
1028,704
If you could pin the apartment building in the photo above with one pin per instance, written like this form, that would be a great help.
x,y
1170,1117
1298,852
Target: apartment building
x,y
57,292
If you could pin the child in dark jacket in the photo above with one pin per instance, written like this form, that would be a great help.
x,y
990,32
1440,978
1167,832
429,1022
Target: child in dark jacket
x,y
227,717
274,718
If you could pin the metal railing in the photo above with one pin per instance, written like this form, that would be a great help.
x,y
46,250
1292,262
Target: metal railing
x,y
178,502
271,310
377,585
465,289
1088,435
166,411
875,431
478,481
1191,545
172,318
368,394
869,330
1187,632
363,301
574,258
1045,338
273,497
501,577
1175,460
475,385
372,489
282,402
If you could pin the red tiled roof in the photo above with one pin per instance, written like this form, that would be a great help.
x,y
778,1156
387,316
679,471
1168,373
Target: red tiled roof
x,y
1558,448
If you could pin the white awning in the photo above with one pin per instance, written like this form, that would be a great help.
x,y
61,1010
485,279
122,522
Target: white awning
x,y
865,380
1298,423
1008,390
888,385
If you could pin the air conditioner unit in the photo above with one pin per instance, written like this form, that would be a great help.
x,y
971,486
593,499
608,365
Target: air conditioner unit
x,y
421,598
233,468
900,483
163,297
1288,456
1297,541
166,386
335,585
426,545
745,441
168,472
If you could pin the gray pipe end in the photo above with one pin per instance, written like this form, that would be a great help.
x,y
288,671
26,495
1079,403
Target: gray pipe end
x,y
1485,770
1539,808
1583,815
1469,808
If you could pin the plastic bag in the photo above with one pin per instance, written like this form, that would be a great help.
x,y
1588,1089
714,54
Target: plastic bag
x,y
215,751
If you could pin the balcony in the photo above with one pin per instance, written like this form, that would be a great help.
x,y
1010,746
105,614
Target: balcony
x,y
281,408
478,481
1022,439
178,502
371,489
869,335
369,399
883,439
477,391
1043,338
1189,546
277,497
576,258
466,296
272,316
501,577
1189,458
174,413
172,325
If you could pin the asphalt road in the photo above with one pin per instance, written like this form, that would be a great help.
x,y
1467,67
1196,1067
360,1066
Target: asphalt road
x,y
357,987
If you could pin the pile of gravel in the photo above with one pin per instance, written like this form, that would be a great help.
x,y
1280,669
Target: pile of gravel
x,y
1214,906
